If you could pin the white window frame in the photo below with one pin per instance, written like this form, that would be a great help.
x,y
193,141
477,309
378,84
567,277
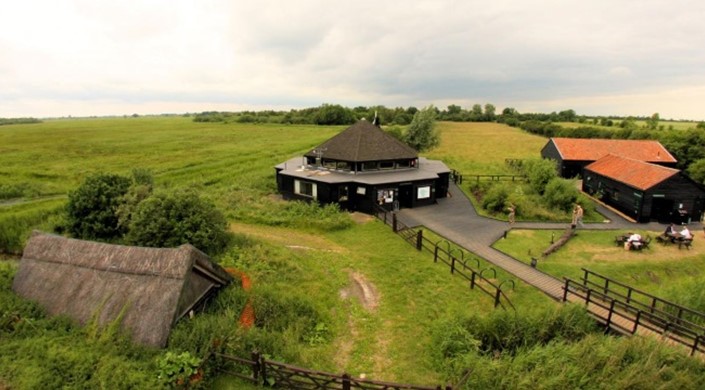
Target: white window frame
x,y
314,189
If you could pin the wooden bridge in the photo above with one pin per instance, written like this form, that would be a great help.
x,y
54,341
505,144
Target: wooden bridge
x,y
613,304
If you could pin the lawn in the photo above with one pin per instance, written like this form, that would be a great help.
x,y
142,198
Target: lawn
x,y
420,324
655,270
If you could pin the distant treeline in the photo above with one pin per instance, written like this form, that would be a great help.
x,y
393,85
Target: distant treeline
x,y
18,121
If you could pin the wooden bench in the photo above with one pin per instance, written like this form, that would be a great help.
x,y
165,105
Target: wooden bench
x,y
687,242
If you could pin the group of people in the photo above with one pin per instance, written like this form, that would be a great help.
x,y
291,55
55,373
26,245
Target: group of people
x,y
674,235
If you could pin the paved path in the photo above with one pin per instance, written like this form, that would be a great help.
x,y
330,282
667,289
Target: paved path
x,y
456,219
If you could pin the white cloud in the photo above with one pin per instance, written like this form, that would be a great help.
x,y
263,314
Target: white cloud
x,y
79,56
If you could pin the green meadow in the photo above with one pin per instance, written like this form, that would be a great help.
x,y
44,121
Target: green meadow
x,y
421,324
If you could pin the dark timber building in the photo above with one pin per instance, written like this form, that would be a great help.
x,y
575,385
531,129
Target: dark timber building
x,y
362,168
644,191
573,154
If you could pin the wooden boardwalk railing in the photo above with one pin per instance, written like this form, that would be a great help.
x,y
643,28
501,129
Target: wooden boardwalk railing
x,y
627,315
458,265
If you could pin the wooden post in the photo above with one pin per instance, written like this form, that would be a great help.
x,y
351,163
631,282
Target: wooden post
x,y
565,290
587,297
695,344
435,254
452,264
496,297
394,222
472,280
636,321
255,365
419,239
263,370
585,277
609,316
607,286
346,382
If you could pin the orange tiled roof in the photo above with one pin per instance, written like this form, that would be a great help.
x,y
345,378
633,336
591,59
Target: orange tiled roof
x,y
582,149
638,174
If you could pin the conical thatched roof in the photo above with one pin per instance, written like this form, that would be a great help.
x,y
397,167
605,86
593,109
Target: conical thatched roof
x,y
364,141
155,287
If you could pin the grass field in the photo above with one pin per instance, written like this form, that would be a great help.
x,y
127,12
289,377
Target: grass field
x,y
656,269
292,259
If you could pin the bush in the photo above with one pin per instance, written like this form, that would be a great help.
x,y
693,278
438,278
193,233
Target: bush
x,y
560,194
170,220
496,198
92,207
539,173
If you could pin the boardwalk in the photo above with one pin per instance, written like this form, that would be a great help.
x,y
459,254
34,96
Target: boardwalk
x,y
456,219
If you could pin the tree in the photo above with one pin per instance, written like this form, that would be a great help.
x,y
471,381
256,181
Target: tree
x,y
421,134
652,122
140,189
92,207
561,194
539,172
334,114
172,219
490,112
696,171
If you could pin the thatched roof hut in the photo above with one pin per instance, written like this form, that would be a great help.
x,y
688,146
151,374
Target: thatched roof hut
x,y
151,287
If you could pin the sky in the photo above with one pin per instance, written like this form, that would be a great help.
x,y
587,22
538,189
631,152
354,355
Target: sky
x,y
599,57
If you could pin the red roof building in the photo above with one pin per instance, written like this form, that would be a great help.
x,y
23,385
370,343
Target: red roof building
x,y
644,191
573,154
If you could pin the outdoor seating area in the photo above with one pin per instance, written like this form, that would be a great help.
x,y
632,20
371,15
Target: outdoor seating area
x,y
633,241
684,238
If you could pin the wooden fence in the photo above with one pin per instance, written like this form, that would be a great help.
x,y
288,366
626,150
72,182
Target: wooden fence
x,y
260,371
625,309
458,265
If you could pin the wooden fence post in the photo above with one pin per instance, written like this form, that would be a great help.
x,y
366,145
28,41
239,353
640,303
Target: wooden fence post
x,y
255,365
435,254
263,369
472,280
496,297
609,316
565,290
419,239
452,264
394,222
346,381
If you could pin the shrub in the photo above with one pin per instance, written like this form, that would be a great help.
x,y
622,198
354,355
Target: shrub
x,y
539,173
496,198
560,194
170,220
92,207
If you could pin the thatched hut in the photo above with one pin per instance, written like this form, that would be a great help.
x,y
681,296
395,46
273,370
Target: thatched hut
x,y
151,288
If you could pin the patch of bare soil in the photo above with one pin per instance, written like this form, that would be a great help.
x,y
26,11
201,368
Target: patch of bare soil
x,y
361,218
361,289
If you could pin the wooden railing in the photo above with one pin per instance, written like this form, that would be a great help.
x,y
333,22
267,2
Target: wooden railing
x,y
641,299
260,371
626,317
458,263
498,177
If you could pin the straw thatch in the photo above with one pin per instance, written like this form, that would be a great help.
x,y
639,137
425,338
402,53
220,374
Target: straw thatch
x,y
152,287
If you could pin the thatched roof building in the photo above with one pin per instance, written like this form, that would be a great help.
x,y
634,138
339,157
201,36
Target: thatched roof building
x,y
151,288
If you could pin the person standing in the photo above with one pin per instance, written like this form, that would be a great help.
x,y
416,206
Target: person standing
x,y
512,214
579,215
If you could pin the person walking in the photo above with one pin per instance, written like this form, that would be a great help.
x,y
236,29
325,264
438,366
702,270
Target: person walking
x,y
512,214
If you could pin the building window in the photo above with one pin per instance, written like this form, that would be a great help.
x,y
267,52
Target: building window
x,y
386,165
343,166
423,192
342,193
305,188
369,166
329,164
404,164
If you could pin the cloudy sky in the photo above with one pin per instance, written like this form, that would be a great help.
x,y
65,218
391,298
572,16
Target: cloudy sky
x,y
598,57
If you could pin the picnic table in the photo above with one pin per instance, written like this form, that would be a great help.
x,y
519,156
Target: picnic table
x,y
675,238
637,245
